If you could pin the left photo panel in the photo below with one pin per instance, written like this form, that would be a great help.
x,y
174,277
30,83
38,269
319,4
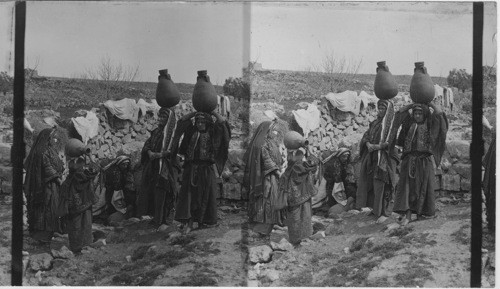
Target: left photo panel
x,y
135,120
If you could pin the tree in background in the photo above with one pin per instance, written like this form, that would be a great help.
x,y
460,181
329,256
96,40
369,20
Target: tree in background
x,y
111,73
336,71
6,83
460,79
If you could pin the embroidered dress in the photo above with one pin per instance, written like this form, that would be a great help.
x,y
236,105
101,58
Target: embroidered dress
x,y
423,146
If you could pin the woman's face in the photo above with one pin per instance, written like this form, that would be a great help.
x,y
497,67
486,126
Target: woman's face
x,y
201,125
162,120
344,158
381,111
418,116
124,165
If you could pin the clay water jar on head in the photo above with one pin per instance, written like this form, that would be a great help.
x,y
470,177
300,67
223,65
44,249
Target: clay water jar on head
x,y
167,94
385,86
76,148
421,87
204,95
294,140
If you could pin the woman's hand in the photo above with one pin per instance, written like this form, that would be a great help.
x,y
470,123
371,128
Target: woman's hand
x,y
406,107
219,117
153,155
188,116
371,147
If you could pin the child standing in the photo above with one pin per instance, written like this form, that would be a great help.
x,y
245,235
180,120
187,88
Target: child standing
x,y
297,184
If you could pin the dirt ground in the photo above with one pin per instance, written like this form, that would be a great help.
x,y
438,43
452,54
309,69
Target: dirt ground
x,y
355,252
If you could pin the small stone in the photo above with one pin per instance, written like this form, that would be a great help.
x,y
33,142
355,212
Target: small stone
x,y
163,228
260,254
51,281
175,235
252,275
283,245
129,258
153,250
38,276
98,244
392,226
492,259
273,275
318,236
63,253
346,250
26,261
41,262
56,263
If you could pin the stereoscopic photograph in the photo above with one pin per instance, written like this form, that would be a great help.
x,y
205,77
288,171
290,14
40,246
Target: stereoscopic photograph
x,y
247,144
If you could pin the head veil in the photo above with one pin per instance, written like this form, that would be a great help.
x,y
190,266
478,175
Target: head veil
x,y
253,175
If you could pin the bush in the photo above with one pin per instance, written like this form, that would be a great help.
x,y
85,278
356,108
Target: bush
x,y
6,83
460,79
237,87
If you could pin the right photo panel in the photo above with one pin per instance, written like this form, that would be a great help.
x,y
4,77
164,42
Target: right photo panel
x,y
357,165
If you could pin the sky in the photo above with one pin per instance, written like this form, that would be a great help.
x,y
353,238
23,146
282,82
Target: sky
x,y
297,36
65,39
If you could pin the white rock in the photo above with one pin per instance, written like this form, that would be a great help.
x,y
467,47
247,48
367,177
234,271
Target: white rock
x,y
318,236
129,258
252,275
273,275
492,259
38,275
392,226
346,250
26,261
162,228
98,244
175,234
40,262
63,253
283,245
260,254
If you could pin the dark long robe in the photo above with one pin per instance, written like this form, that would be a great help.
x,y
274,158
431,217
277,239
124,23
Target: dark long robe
x,y
43,168
489,184
297,183
206,154
423,146
159,187
79,188
117,179
263,159
377,176
335,172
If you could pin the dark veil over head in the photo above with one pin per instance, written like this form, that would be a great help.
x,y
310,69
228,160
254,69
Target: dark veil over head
x,y
253,176
33,185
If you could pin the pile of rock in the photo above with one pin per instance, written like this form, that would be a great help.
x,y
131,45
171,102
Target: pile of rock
x,y
340,129
117,135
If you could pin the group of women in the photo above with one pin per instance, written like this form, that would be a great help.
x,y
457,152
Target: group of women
x,y
422,138
388,181
57,203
